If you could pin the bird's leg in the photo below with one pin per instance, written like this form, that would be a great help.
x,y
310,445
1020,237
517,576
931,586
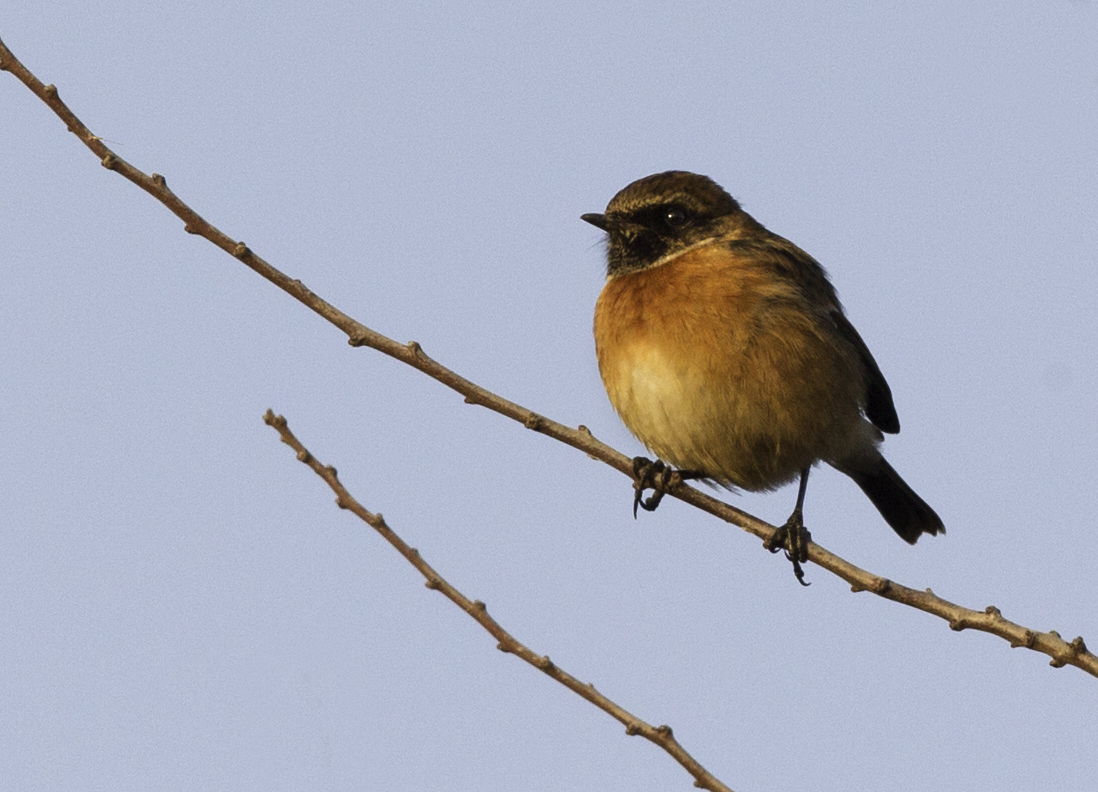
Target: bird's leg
x,y
659,478
793,537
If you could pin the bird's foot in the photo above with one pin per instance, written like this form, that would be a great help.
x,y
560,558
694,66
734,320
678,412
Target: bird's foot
x,y
658,477
794,538
655,476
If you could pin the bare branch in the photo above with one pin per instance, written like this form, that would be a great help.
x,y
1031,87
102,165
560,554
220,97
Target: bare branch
x,y
478,611
989,620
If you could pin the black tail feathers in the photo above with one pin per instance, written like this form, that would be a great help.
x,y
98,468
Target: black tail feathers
x,y
907,513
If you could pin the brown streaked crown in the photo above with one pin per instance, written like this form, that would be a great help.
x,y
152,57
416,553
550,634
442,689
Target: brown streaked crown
x,y
664,213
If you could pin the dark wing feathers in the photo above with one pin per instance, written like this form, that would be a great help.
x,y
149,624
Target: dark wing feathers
x,y
878,402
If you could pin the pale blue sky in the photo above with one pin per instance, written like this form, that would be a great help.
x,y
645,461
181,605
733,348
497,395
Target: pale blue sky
x,y
183,607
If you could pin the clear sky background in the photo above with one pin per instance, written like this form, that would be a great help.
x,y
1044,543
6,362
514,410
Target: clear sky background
x,y
183,607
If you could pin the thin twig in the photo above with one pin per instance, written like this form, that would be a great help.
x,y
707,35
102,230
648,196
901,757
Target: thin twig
x,y
478,611
989,620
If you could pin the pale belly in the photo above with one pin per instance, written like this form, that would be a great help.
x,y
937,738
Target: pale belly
x,y
733,418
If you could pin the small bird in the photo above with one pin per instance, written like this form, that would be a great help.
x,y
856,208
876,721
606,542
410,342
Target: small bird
x,y
725,350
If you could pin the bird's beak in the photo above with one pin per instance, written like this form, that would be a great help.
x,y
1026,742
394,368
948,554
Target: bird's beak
x,y
597,220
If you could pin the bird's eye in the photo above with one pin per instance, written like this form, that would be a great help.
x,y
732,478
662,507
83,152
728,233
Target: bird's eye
x,y
675,216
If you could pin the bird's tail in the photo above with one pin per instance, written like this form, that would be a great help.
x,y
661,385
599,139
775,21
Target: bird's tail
x,y
907,513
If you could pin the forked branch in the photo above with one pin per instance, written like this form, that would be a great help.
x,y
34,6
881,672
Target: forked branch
x,y
478,611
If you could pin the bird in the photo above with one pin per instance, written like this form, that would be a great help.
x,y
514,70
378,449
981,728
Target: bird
x,y
725,350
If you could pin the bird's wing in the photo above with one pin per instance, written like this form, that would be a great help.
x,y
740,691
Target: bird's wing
x,y
878,402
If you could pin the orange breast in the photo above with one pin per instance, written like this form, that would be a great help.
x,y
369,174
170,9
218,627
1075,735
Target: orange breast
x,y
718,365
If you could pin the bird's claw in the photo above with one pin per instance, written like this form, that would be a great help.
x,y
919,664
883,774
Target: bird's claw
x,y
655,476
794,538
